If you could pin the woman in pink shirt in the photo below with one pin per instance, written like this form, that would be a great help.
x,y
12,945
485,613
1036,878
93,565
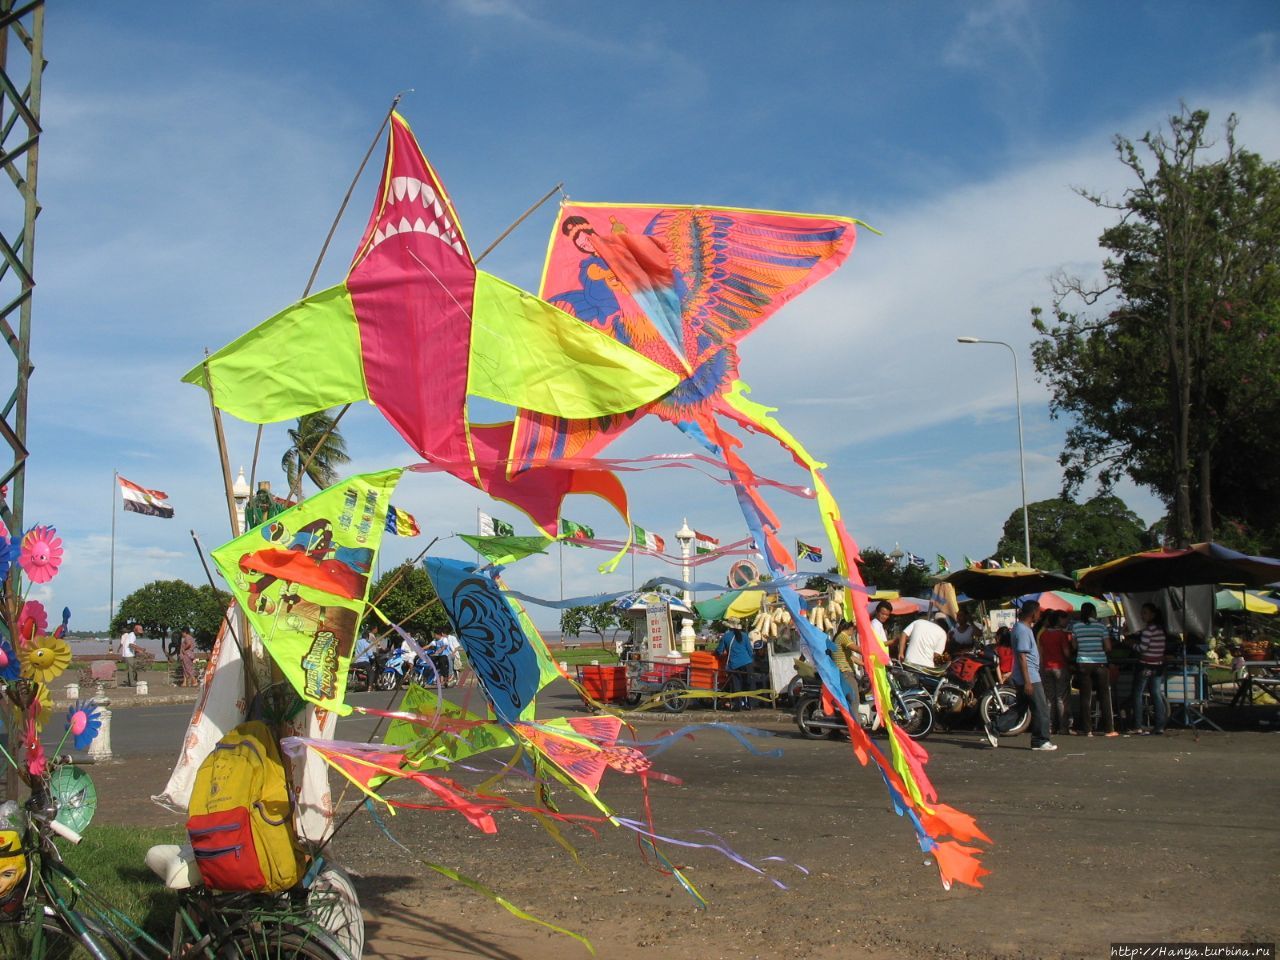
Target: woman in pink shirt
x,y
1056,657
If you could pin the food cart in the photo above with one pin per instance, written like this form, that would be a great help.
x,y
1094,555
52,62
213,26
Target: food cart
x,y
652,663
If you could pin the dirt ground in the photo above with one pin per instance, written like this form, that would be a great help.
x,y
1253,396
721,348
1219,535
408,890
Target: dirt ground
x,y
1129,839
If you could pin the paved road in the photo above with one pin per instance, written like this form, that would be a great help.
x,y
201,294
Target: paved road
x,y
1156,838
150,731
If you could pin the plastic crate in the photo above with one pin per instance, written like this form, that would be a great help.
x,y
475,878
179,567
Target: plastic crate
x,y
706,670
604,683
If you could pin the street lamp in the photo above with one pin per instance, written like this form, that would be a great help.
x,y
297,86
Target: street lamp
x,y
687,637
685,536
240,493
1022,460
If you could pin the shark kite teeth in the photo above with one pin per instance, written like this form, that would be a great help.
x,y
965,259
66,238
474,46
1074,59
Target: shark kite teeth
x,y
413,207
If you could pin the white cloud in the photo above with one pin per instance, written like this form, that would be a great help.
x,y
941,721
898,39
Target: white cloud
x,y
178,217
993,30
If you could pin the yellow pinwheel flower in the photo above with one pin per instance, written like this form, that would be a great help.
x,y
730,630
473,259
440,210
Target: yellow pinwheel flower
x,y
45,658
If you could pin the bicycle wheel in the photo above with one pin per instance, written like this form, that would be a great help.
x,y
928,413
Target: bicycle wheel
x,y
332,902
278,940
47,940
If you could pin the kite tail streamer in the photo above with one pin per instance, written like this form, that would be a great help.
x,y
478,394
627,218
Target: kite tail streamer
x,y
477,886
719,846
665,863
740,733
904,772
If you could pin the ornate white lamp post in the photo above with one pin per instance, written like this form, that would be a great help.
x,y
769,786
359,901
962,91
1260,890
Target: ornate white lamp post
x,y
685,536
240,491
688,638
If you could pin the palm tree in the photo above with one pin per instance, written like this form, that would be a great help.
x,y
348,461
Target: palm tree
x,y
317,447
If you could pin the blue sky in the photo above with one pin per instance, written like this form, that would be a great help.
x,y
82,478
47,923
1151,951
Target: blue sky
x,y
194,156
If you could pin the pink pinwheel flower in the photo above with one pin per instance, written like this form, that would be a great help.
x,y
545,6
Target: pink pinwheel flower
x,y
41,554
84,719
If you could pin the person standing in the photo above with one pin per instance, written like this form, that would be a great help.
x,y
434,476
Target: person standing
x,y
735,647
453,648
129,642
187,656
1026,676
884,610
848,660
1151,644
1093,674
1055,668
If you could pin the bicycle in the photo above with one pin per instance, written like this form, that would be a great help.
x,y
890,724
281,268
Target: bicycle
x,y
57,916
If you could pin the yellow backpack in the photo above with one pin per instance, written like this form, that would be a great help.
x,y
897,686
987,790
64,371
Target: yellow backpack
x,y
240,817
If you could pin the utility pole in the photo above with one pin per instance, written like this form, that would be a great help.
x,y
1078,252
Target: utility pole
x,y
21,70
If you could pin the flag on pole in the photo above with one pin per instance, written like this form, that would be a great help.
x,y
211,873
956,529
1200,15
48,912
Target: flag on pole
x,y
648,540
943,565
401,523
805,551
493,527
575,531
918,562
154,503
704,544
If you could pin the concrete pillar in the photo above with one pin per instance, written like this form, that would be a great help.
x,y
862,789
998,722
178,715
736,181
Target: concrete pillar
x,y
100,749
688,639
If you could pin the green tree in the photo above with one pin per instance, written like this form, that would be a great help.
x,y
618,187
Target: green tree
x,y
410,602
316,446
883,572
1171,373
208,614
598,619
163,606
819,581
1066,535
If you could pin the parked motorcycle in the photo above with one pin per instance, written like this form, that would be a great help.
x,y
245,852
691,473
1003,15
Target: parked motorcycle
x,y
971,681
393,671
911,710
361,673
425,671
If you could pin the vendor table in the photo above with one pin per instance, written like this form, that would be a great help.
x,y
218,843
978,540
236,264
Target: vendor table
x,y
1268,682
1185,688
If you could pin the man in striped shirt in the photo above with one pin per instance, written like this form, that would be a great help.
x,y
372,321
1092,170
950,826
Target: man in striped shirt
x,y
1093,675
1151,646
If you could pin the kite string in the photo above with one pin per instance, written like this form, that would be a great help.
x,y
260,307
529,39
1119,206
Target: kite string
x,y
416,259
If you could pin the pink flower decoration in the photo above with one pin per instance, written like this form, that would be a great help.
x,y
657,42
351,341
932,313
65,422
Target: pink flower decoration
x,y
84,719
31,620
41,554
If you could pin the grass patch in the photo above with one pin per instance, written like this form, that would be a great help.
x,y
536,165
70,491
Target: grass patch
x,y
110,860
578,655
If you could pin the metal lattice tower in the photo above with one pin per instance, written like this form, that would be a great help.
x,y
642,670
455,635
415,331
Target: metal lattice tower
x,y
21,68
